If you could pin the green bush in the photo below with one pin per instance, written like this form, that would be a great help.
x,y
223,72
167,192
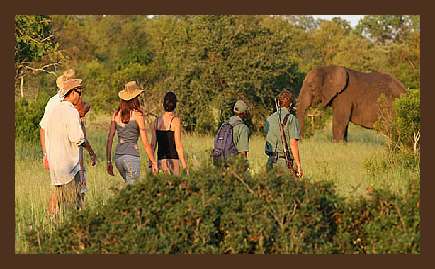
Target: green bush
x,y
407,119
28,114
228,212
400,122
317,122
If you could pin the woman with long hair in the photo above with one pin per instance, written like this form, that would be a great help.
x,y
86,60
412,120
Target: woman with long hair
x,y
166,136
128,121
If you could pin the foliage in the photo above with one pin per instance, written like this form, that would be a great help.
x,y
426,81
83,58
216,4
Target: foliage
x,y
215,211
316,119
35,44
211,61
28,114
401,124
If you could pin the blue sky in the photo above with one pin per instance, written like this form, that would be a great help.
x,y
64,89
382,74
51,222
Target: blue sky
x,y
353,19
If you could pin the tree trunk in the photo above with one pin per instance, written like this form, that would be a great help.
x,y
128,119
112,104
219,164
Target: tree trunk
x,y
21,86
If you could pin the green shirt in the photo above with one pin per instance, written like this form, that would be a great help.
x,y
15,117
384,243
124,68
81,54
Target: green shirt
x,y
240,134
271,129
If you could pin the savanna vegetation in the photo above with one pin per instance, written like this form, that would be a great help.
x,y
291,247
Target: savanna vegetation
x,y
359,197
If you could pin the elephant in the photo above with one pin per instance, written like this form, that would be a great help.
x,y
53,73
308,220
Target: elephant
x,y
353,96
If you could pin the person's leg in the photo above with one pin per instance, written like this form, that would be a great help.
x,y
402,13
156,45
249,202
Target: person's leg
x,y
68,194
120,165
82,189
174,166
132,166
163,165
53,203
270,162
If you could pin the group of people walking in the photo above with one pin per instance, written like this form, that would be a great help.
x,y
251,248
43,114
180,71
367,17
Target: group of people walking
x,y
63,138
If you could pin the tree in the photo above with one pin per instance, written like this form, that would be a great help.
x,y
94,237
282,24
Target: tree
x,y
386,29
36,47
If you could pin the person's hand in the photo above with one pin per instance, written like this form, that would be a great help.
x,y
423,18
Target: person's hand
x,y
186,169
300,173
154,168
45,162
110,169
93,158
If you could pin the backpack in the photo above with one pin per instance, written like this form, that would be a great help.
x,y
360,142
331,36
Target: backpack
x,y
224,146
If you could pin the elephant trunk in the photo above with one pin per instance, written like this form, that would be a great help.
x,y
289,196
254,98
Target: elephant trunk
x,y
303,103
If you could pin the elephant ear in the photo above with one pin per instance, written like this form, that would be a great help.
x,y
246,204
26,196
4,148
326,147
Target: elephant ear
x,y
334,81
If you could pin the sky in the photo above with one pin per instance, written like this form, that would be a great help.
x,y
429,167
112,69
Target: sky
x,y
353,19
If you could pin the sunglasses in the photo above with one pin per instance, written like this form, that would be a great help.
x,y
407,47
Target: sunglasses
x,y
79,91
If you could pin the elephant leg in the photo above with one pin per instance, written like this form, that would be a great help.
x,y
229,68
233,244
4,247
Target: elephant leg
x,y
340,122
345,132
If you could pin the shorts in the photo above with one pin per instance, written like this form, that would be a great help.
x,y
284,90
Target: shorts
x,y
69,195
277,164
129,167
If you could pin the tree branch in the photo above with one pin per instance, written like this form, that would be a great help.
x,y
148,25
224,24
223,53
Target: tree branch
x,y
42,68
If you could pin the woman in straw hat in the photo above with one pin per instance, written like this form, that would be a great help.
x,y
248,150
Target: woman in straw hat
x,y
167,137
128,121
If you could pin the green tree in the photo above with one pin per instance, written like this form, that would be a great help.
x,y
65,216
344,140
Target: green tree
x,y
36,49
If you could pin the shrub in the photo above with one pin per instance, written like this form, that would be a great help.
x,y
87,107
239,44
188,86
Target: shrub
x,y
28,114
315,119
215,211
400,123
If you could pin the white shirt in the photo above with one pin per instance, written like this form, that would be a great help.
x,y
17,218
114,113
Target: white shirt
x,y
56,99
64,134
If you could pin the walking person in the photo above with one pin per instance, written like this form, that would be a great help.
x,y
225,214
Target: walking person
x,y
83,108
232,138
128,122
277,139
55,99
63,137
53,205
166,136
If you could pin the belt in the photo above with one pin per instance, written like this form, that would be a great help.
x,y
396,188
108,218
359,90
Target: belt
x,y
276,155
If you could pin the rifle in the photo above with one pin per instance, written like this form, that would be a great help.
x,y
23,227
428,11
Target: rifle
x,y
287,154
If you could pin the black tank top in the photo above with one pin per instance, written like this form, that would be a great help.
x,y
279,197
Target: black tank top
x,y
166,144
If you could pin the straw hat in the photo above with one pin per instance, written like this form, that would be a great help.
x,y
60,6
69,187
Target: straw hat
x,y
68,74
69,85
130,91
240,107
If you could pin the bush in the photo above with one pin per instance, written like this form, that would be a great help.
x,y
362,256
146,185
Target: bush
x,y
28,114
228,212
317,121
400,122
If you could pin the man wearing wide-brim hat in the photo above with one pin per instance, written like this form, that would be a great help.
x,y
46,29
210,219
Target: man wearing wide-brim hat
x,y
64,135
54,100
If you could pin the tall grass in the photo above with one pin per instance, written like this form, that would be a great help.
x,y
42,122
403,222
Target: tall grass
x,y
343,164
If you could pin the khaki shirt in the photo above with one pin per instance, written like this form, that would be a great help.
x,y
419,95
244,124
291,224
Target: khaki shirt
x,y
63,136
240,134
273,136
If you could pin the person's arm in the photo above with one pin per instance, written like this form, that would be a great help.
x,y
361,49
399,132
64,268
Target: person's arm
x,y
178,144
294,131
74,128
144,138
243,141
109,143
44,151
43,124
88,147
154,135
294,147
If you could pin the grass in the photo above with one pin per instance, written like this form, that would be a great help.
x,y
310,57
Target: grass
x,y
343,164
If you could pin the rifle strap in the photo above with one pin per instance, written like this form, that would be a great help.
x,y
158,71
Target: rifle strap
x,y
284,122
